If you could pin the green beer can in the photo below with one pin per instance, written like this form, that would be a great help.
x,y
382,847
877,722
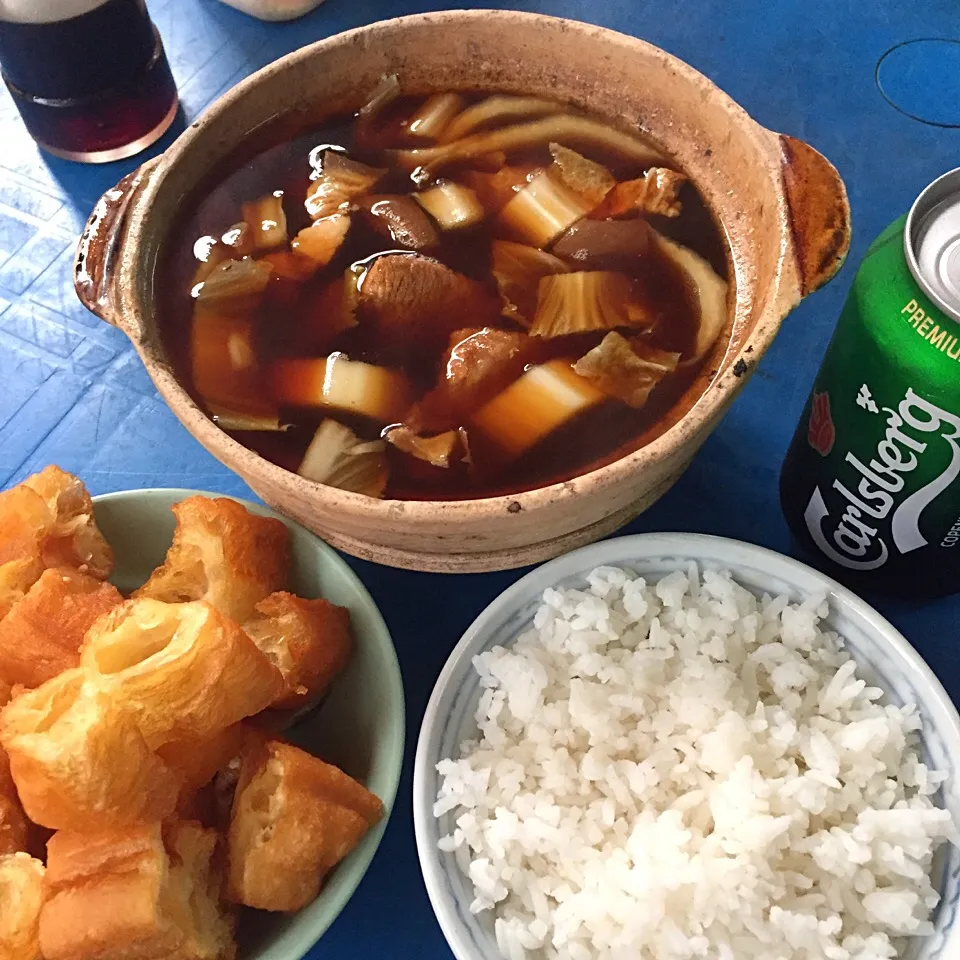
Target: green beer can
x,y
871,482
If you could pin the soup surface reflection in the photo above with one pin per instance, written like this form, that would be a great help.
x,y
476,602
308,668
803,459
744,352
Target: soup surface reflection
x,y
448,297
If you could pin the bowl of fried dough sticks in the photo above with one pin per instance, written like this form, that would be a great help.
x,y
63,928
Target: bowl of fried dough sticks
x,y
201,727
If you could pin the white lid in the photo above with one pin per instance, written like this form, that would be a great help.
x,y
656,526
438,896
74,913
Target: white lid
x,y
275,9
45,11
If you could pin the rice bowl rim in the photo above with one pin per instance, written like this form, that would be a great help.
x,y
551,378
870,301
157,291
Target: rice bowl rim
x,y
672,551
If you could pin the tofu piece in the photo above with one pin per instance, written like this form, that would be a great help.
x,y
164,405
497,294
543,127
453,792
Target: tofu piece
x,y
530,409
339,383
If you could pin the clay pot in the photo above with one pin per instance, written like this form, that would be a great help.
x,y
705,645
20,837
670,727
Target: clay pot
x,y
783,206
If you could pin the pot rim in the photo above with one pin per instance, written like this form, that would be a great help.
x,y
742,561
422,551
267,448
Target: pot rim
x,y
709,405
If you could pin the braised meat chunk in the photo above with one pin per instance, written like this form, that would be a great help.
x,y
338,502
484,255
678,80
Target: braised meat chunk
x,y
477,366
416,300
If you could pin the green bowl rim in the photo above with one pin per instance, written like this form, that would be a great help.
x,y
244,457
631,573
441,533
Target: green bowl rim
x,y
329,911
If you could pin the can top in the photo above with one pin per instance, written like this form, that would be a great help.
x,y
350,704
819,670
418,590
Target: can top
x,y
932,242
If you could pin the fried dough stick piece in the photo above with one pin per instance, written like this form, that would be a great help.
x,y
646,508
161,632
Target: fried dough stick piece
x,y
183,669
294,818
78,759
72,538
21,897
309,641
223,554
143,892
41,635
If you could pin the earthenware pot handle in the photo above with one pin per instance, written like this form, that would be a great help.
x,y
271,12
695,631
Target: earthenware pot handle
x,y
95,269
819,213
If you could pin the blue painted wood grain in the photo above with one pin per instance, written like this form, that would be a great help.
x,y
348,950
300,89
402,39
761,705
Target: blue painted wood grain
x,y
73,392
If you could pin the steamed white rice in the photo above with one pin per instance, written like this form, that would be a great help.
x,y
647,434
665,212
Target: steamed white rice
x,y
680,770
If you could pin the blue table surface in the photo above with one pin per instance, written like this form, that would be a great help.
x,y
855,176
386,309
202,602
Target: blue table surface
x,y
73,392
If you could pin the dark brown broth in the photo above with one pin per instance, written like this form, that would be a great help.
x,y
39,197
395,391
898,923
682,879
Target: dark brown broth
x,y
279,161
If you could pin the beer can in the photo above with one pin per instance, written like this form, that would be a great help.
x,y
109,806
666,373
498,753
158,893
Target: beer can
x,y
871,481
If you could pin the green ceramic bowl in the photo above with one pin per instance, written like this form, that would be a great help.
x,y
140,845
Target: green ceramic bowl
x,y
359,727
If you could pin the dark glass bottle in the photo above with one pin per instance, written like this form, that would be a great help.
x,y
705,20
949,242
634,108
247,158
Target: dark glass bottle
x,y
89,77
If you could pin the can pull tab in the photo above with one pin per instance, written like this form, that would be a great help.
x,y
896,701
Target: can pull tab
x,y
937,249
950,268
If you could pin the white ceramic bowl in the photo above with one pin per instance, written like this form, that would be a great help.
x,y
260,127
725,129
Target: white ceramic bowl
x,y
883,655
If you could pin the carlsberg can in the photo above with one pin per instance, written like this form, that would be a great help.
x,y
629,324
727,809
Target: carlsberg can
x,y
871,482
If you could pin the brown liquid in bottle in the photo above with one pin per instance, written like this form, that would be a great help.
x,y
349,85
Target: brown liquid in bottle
x,y
89,77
